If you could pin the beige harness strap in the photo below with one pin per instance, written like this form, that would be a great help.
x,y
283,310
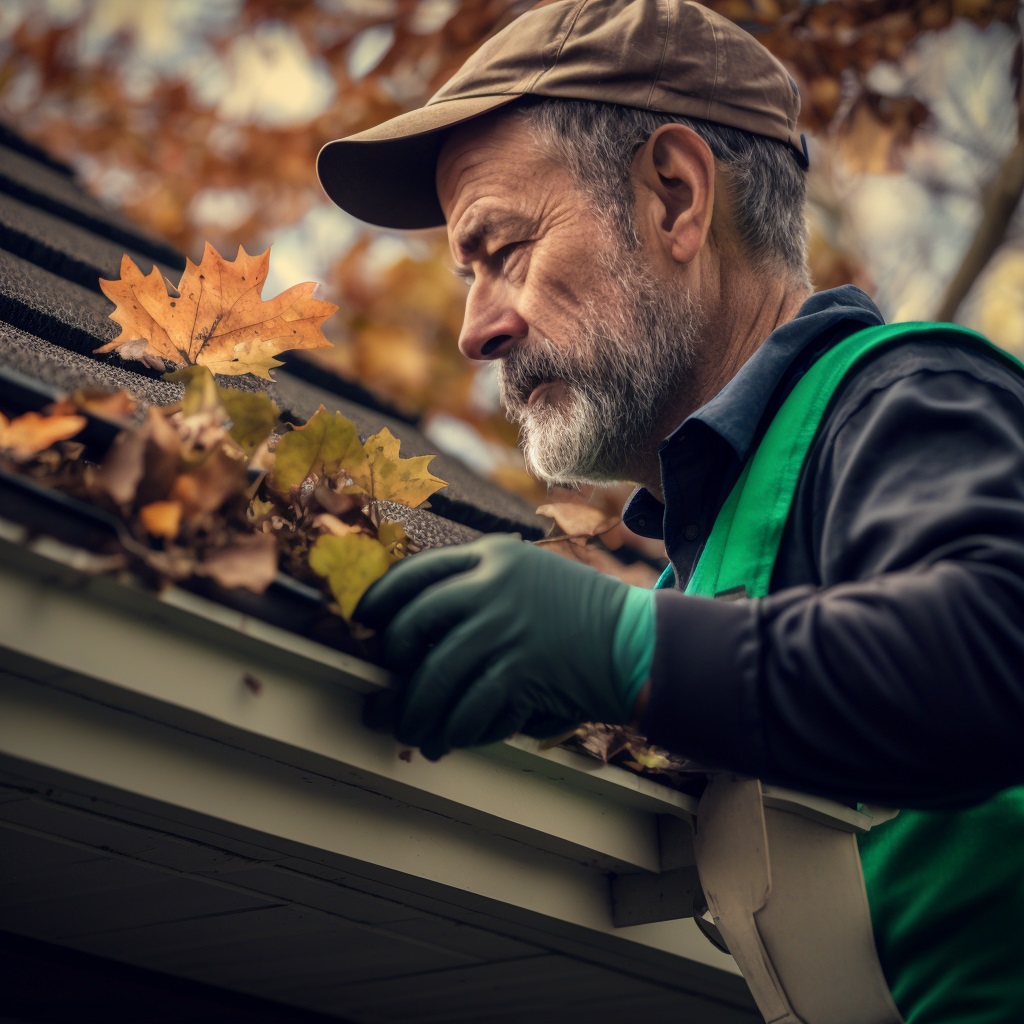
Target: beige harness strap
x,y
783,881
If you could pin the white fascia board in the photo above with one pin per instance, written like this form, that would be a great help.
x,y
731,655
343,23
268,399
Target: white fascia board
x,y
185,661
145,694
67,740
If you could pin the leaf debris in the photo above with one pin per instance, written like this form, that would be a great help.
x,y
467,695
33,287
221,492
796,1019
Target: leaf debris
x,y
200,492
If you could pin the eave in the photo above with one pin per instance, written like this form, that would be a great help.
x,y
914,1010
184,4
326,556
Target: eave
x,y
127,714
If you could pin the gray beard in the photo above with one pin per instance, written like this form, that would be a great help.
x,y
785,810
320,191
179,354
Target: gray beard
x,y
629,361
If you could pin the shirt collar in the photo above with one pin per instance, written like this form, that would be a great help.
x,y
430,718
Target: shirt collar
x,y
737,411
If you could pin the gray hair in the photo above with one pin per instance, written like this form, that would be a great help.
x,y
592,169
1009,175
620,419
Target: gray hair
x,y
597,142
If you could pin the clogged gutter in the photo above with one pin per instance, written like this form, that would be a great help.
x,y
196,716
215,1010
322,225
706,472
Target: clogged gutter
x,y
216,487
208,490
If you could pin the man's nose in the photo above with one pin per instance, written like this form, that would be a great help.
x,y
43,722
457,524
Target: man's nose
x,y
491,325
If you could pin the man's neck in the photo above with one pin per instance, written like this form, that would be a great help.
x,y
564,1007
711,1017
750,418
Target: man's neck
x,y
741,316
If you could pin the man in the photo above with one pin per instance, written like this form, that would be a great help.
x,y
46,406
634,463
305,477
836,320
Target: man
x,y
623,187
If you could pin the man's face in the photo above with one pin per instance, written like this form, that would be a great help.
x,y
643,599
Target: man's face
x,y
594,344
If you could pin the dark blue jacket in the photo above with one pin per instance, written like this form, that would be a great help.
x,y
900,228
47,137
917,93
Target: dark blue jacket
x,y
887,664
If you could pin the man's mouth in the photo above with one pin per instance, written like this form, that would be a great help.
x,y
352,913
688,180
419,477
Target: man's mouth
x,y
539,390
526,378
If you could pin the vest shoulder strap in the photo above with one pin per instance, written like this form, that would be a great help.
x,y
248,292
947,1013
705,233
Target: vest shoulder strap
x,y
744,542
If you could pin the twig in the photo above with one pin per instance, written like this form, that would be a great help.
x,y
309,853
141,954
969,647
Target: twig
x,y
1000,203
573,537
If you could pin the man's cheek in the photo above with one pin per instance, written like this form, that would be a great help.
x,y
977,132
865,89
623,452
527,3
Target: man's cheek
x,y
552,303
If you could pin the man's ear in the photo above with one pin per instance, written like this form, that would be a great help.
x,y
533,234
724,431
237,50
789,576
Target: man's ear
x,y
676,172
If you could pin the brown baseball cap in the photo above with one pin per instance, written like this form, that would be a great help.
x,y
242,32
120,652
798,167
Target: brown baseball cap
x,y
670,56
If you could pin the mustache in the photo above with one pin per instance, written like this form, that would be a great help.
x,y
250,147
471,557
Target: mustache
x,y
525,367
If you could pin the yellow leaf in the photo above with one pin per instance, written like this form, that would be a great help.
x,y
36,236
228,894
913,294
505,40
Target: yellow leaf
x,y
259,511
27,435
406,481
395,540
649,758
351,564
219,318
253,415
328,443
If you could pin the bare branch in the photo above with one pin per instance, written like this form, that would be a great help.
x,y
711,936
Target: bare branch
x,y
1001,202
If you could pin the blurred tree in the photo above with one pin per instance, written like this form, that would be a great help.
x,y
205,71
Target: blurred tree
x,y
202,121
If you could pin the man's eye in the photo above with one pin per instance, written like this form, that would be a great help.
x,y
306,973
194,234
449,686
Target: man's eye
x,y
510,256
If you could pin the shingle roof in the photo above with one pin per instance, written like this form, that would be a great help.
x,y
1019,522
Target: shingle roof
x,y
58,242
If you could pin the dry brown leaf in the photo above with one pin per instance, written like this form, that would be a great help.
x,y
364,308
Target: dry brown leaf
x,y
141,464
576,520
111,405
623,746
332,497
207,486
114,405
327,523
249,561
218,319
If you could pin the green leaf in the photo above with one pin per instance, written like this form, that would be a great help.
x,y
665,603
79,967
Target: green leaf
x,y
253,417
328,443
351,564
201,391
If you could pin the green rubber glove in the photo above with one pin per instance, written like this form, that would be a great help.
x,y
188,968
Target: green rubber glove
x,y
499,636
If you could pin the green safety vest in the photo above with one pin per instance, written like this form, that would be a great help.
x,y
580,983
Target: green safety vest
x,y
945,888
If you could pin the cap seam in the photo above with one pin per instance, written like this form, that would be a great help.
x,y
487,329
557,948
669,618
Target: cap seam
x,y
574,17
718,60
661,63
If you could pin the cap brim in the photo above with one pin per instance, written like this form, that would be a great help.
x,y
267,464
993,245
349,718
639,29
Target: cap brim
x,y
385,175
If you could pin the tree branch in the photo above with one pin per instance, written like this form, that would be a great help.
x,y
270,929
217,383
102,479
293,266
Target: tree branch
x,y
1000,203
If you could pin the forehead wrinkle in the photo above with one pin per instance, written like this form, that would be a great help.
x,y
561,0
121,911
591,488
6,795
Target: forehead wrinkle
x,y
476,227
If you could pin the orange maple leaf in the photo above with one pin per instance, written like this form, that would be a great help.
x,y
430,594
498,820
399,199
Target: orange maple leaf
x,y
218,319
27,435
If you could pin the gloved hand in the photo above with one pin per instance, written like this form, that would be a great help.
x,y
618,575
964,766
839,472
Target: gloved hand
x,y
499,636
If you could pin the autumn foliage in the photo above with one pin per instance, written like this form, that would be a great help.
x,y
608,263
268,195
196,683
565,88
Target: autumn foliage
x,y
178,145
216,316
216,486
155,139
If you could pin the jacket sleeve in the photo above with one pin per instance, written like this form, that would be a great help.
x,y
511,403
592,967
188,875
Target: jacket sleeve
x,y
897,674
